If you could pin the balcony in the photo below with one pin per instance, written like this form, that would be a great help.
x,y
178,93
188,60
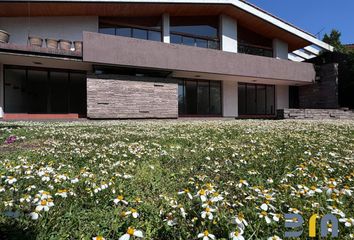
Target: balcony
x,y
207,63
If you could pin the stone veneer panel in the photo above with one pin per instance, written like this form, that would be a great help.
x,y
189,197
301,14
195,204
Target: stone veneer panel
x,y
293,113
125,97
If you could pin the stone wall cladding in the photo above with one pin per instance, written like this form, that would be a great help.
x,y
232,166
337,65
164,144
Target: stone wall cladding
x,y
126,97
324,92
315,114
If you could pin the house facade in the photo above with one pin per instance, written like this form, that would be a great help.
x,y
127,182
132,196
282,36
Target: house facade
x,y
149,59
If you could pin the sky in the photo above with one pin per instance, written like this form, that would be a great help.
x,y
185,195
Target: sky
x,y
314,16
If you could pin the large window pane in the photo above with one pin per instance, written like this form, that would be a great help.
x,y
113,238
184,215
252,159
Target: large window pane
x,y
215,97
15,91
242,98
203,97
181,97
191,97
139,33
270,100
77,93
58,92
176,39
261,99
124,32
37,91
108,30
188,41
251,99
155,36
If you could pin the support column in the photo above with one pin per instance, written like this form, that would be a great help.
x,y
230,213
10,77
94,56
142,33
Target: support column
x,y
281,96
1,91
230,98
280,49
166,28
228,34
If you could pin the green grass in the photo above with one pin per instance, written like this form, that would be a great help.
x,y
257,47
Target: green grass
x,y
154,161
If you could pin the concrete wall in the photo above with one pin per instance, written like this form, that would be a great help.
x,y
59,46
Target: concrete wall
x,y
315,114
228,34
115,50
69,28
230,98
281,96
280,49
1,90
131,97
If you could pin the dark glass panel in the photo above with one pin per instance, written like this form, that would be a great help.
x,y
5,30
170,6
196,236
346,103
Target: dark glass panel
x,y
188,41
242,101
59,92
181,97
111,31
202,43
215,97
270,99
251,99
77,93
261,99
139,33
16,91
191,97
176,39
124,32
155,36
203,97
37,91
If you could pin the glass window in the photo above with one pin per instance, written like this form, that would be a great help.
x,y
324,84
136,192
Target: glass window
x,y
155,36
199,97
107,30
37,91
176,38
58,92
188,41
256,99
201,43
16,91
124,32
139,33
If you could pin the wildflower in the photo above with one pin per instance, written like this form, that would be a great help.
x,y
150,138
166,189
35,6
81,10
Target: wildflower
x,y
275,237
62,192
208,212
216,197
10,180
44,205
240,220
119,199
98,238
206,235
171,221
186,191
132,232
276,217
348,222
237,235
133,212
242,183
34,215
202,194
264,215
347,191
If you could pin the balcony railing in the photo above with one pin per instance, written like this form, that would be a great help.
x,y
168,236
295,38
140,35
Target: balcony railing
x,y
255,50
193,40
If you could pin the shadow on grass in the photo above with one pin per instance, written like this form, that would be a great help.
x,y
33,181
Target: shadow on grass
x,y
13,231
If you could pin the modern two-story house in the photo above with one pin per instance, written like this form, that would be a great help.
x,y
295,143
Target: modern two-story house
x,y
149,59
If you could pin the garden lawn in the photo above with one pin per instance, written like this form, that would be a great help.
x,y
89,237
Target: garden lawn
x,y
173,179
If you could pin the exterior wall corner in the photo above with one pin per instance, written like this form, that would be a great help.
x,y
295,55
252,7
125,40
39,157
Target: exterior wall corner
x,y
228,34
280,49
281,96
230,98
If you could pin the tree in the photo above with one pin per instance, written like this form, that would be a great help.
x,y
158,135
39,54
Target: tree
x,y
333,39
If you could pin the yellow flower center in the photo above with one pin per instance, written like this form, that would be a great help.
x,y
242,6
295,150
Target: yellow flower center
x,y
241,216
43,202
62,191
346,187
331,186
264,213
206,233
99,238
202,192
313,188
186,190
120,197
131,231
207,209
133,210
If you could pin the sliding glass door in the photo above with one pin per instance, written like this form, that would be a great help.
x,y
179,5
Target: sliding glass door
x,y
256,99
199,97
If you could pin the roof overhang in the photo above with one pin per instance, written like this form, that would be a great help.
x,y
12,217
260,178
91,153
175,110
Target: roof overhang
x,y
246,13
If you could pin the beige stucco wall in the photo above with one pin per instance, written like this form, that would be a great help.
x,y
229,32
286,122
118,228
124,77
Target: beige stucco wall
x,y
230,98
282,96
69,28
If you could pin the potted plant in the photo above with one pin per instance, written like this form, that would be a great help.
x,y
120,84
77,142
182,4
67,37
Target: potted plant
x,y
78,46
65,44
35,41
4,36
51,43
